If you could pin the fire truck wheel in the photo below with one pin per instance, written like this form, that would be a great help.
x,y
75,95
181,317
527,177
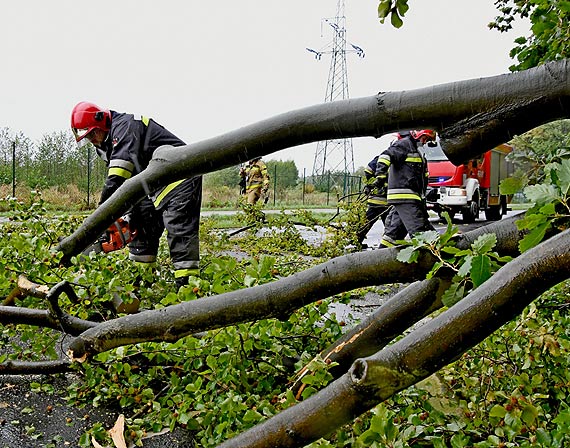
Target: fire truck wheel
x,y
470,212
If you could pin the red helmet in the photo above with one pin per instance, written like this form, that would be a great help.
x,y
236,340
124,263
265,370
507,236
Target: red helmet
x,y
87,116
416,135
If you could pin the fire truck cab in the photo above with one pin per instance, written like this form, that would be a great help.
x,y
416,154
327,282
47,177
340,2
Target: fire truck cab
x,y
468,188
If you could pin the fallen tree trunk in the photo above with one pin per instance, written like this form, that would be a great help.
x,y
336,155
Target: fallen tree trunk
x,y
421,353
408,306
471,117
272,300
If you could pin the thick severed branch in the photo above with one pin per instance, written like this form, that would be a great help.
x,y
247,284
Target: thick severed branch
x,y
271,300
277,299
35,367
43,318
419,354
471,117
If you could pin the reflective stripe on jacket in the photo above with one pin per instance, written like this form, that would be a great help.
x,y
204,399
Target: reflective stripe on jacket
x,y
407,168
128,149
256,175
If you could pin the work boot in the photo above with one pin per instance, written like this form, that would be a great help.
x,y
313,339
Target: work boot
x,y
180,282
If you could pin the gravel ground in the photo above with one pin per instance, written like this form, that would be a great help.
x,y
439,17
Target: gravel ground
x,y
40,420
30,419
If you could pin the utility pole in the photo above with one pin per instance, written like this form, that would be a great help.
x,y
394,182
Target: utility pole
x,y
334,156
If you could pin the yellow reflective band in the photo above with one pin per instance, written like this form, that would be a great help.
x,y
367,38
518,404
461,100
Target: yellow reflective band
x,y
187,273
414,159
386,243
378,201
404,196
120,172
384,161
145,120
167,190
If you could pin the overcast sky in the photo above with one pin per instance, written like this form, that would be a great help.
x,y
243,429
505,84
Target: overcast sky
x,y
202,68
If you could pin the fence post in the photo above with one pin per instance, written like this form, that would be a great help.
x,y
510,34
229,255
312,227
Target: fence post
x,y
328,186
88,176
304,183
14,169
274,184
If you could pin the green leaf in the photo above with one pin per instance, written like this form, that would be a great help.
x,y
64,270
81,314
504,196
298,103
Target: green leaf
x,y
542,194
529,414
497,411
564,176
484,243
534,237
251,416
480,269
453,294
402,6
450,250
384,8
511,185
395,20
548,209
465,267
530,221
408,255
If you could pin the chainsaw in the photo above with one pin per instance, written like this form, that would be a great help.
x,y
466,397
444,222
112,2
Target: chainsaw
x,y
115,237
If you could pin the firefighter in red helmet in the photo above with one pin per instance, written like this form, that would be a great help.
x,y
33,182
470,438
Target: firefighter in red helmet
x,y
407,183
126,143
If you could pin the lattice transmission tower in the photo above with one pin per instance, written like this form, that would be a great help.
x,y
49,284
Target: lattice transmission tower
x,y
333,156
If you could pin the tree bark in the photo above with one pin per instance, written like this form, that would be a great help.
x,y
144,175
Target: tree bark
x,y
407,307
471,117
423,352
273,300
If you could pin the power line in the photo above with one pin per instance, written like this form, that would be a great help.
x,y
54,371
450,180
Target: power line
x,y
333,156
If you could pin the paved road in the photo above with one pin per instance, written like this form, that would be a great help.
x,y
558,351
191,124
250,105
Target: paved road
x,y
373,237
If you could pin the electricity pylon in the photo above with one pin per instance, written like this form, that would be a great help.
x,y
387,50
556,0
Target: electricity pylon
x,y
333,156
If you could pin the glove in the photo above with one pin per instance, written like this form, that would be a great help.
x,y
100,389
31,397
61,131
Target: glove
x,y
379,184
367,190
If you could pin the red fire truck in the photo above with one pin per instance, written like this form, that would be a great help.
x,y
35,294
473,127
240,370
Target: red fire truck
x,y
469,188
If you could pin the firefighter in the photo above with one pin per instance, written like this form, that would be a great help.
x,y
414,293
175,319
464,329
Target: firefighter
x,y
376,201
257,180
126,143
407,185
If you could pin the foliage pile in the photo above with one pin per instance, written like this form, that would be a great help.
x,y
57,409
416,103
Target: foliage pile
x,y
510,390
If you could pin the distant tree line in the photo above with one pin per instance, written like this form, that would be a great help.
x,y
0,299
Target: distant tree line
x,y
55,160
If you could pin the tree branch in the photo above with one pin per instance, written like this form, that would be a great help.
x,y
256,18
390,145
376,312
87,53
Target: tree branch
x,y
471,117
273,300
423,352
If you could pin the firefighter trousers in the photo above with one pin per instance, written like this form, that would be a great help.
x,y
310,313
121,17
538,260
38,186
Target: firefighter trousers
x,y
406,218
180,216
373,212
